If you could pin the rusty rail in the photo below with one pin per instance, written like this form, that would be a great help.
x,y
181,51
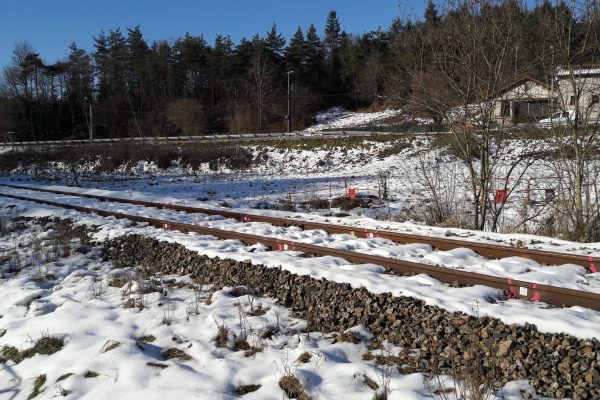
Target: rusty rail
x,y
513,288
484,249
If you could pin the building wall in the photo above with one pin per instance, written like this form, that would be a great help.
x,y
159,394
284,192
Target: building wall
x,y
506,104
588,100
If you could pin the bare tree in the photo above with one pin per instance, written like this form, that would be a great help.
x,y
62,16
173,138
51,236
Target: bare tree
x,y
262,79
368,80
464,65
186,115
574,29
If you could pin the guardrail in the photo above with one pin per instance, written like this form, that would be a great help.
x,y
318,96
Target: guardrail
x,y
206,138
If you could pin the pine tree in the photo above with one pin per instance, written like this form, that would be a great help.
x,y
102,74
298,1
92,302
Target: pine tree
x,y
137,67
79,86
314,58
332,34
395,28
295,53
191,52
274,43
331,45
431,15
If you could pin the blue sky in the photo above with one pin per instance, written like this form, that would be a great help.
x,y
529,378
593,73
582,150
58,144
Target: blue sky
x,y
51,25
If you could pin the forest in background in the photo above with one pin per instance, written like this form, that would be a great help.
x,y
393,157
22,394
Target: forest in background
x,y
193,87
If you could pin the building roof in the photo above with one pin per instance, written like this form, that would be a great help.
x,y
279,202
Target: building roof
x,y
519,82
578,70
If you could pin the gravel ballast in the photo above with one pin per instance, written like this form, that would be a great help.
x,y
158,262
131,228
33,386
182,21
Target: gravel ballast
x,y
434,340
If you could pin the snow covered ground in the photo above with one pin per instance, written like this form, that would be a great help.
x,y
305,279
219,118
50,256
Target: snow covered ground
x,y
69,304
339,118
570,276
111,350
577,321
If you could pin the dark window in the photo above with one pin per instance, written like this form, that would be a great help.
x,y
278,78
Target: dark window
x,y
572,101
595,99
505,108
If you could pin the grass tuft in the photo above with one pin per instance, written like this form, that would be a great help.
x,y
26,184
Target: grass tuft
x,y
11,353
370,383
245,389
91,374
44,345
175,353
64,376
110,345
304,357
117,282
147,338
222,336
292,387
347,337
37,385
157,365
252,351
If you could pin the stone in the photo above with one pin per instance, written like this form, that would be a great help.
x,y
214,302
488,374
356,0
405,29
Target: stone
x,y
503,348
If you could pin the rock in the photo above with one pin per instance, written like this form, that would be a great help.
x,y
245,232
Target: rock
x,y
554,364
503,348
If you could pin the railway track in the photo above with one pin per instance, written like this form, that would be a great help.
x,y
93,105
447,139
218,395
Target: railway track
x,y
487,250
516,289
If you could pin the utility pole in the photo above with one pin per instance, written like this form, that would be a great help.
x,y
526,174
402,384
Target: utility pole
x,y
289,112
91,126
91,122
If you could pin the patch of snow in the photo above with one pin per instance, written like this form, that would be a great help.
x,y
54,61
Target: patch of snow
x,y
339,118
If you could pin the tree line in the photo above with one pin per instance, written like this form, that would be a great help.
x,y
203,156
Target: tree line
x,y
189,86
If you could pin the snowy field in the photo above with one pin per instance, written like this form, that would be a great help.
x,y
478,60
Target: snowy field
x,y
168,349
79,303
338,118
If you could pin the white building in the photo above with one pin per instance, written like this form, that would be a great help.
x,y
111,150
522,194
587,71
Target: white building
x,y
578,91
575,93
526,100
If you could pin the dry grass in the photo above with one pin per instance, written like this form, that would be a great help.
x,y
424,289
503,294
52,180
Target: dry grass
x,y
221,339
64,376
110,345
245,389
37,385
370,383
368,356
147,338
44,345
292,387
252,351
156,365
347,337
304,357
241,344
175,353
117,282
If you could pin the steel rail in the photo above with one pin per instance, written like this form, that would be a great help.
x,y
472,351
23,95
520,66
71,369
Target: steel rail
x,y
484,249
513,288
